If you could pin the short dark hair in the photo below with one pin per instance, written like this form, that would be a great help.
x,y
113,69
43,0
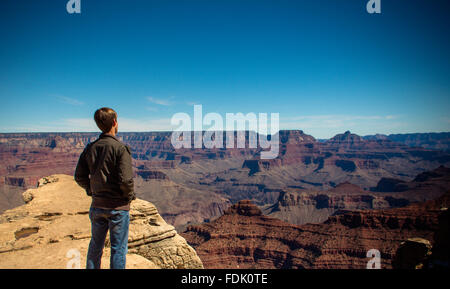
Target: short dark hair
x,y
104,118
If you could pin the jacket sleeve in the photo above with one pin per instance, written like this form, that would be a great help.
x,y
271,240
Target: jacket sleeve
x,y
125,172
82,172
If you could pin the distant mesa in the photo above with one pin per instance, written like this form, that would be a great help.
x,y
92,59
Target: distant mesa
x,y
346,137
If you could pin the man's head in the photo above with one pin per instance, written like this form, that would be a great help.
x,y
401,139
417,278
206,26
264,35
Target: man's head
x,y
106,120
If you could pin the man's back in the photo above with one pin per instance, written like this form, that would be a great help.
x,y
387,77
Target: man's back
x,y
105,171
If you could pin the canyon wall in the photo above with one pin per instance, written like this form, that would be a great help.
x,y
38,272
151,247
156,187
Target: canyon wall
x,y
244,238
195,185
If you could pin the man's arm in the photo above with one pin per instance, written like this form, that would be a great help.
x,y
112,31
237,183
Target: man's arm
x,y
82,173
125,172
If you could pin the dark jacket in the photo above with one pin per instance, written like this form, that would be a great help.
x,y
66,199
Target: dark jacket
x,y
105,171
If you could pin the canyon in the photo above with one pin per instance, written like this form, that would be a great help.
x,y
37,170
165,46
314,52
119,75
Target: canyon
x,y
243,237
192,186
319,204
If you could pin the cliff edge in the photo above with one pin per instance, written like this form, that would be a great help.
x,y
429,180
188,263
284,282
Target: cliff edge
x,y
53,226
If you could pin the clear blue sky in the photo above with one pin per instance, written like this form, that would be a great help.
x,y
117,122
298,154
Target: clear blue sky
x,y
326,66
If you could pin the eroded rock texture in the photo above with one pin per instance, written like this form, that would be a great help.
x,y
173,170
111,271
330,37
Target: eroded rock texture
x,y
308,206
55,220
196,185
240,239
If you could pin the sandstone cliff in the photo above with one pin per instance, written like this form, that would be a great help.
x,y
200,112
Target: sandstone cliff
x,y
55,220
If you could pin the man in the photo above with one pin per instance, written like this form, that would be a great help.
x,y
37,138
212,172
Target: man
x,y
104,170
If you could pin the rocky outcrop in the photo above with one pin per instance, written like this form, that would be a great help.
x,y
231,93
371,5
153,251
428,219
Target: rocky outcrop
x,y
243,208
54,224
152,175
412,254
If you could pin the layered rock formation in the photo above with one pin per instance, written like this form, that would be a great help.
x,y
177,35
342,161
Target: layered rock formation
x,y
308,206
244,238
54,223
196,185
315,207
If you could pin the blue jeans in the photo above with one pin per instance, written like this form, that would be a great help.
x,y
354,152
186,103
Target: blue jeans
x,y
117,221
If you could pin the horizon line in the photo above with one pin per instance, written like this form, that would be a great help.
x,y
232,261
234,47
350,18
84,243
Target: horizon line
x,y
167,131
